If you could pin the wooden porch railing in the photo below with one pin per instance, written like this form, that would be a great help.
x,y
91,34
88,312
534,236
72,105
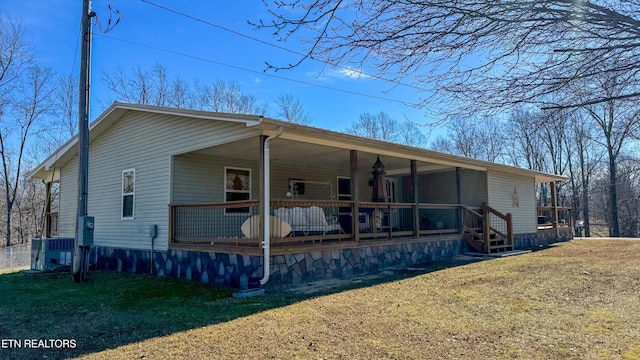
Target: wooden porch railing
x,y
211,224
487,230
473,228
499,236
547,217
439,219
220,224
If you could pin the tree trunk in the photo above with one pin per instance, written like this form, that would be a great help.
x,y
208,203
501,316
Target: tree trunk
x,y
584,177
9,225
585,209
614,227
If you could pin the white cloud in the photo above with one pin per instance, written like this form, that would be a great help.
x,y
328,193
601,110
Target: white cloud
x,y
354,73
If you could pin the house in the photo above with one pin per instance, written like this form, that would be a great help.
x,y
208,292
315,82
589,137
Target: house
x,y
209,182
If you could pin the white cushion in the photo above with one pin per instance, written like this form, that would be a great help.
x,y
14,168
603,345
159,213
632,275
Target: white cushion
x,y
315,216
298,217
284,214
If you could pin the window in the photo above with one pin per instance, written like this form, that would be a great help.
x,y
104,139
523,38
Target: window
x,y
237,187
344,188
128,193
344,192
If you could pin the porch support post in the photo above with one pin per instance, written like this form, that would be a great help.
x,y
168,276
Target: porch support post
x,y
554,205
486,227
459,201
416,199
355,195
47,211
261,238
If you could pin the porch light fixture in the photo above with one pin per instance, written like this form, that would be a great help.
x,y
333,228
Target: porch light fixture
x,y
379,185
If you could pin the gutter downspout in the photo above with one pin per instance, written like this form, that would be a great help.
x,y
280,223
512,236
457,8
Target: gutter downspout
x,y
266,240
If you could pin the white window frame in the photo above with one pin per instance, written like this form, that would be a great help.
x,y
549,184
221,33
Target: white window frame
x,y
338,194
224,187
123,194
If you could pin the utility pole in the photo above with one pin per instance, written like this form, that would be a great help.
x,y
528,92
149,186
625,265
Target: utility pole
x,y
81,249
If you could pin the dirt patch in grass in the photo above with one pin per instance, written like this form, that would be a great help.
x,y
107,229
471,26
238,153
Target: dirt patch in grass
x,y
10,271
576,300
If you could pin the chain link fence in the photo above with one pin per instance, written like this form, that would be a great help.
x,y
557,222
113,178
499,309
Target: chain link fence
x,y
15,256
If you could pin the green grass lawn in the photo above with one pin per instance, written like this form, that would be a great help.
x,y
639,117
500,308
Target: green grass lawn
x,y
111,310
577,300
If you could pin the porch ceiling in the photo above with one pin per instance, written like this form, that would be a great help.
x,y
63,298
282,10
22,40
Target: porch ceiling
x,y
291,152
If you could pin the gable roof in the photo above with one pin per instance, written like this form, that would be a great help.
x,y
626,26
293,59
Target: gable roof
x,y
302,133
115,112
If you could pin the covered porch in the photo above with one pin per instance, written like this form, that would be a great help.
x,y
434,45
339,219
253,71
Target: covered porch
x,y
321,196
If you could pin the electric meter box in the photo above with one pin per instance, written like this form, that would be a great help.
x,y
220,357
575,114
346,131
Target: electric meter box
x,y
85,231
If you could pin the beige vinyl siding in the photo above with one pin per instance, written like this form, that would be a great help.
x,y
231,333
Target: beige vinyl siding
x,y
199,179
146,142
501,188
68,199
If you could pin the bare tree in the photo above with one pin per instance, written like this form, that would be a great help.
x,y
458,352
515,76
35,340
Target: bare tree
x,y
291,110
443,144
487,53
524,143
29,215
67,98
156,87
618,120
15,57
582,160
182,97
378,126
227,96
21,86
629,195
141,86
382,126
32,101
410,134
474,138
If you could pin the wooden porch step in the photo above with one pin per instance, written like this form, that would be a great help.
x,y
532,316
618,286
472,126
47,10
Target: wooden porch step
x,y
475,243
500,248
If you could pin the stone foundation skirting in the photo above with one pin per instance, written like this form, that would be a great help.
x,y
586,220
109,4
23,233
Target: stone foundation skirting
x,y
237,270
542,238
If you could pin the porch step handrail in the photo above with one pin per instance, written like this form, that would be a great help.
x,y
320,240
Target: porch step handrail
x,y
507,235
481,229
496,212
472,228
471,211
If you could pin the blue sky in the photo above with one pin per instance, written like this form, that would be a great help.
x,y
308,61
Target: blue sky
x,y
53,27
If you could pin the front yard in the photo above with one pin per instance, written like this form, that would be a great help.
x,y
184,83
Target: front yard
x,y
576,300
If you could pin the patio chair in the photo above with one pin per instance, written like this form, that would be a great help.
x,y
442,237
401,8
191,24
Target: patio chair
x,y
307,220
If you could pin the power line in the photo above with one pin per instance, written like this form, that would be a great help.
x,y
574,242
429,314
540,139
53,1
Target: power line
x,y
256,71
208,23
75,53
